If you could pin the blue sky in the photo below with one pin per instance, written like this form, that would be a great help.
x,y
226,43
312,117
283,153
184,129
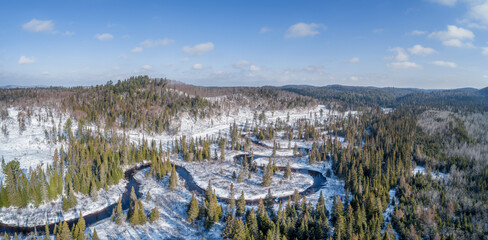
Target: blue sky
x,y
385,43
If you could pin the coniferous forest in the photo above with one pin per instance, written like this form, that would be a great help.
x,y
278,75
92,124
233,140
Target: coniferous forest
x,y
243,163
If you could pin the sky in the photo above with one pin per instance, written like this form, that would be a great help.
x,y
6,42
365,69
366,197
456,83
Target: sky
x,y
385,43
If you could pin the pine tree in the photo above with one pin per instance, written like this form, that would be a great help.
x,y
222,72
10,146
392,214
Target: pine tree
x,y
213,212
234,229
173,179
232,199
320,208
63,232
117,214
134,218
287,174
154,216
265,223
193,209
241,205
95,235
148,196
81,223
267,174
93,190
5,236
141,214
268,201
252,224
337,209
133,196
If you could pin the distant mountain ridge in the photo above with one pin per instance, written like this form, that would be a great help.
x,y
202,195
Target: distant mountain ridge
x,y
355,96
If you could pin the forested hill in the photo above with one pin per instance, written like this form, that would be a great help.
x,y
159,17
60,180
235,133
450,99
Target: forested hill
x,y
149,103
467,99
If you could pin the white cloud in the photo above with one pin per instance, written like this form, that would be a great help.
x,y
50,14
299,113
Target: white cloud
x,y
254,68
104,36
453,32
454,36
417,32
479,11
419,50
241,64
264,30
401,54
403,65
198,49
457,43
353,60
137,50
485,50
45,73
155,43
444,64
485,76
146,67
185,59
304,30
449,3
197,66
26,60
353,78
39,25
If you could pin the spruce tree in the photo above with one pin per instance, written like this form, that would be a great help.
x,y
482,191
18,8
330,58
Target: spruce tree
x,y
154,216
117,215
148,196
173,179
234,229
93,190
133,196
268,201
267,174
95,235
134,218
287,174
337,209
241,205
63,232
81,223
232,199
141,214
193,209
252,224
320,209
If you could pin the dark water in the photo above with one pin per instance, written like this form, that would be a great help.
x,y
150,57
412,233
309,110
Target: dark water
x,y
90,219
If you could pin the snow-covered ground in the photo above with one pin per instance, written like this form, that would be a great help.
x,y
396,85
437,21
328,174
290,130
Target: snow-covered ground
x,y
30,146
52,212
172,224
171,204
220,173
221,123
334,186
435,175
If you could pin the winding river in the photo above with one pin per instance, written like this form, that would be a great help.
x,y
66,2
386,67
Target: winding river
x,y
92,218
